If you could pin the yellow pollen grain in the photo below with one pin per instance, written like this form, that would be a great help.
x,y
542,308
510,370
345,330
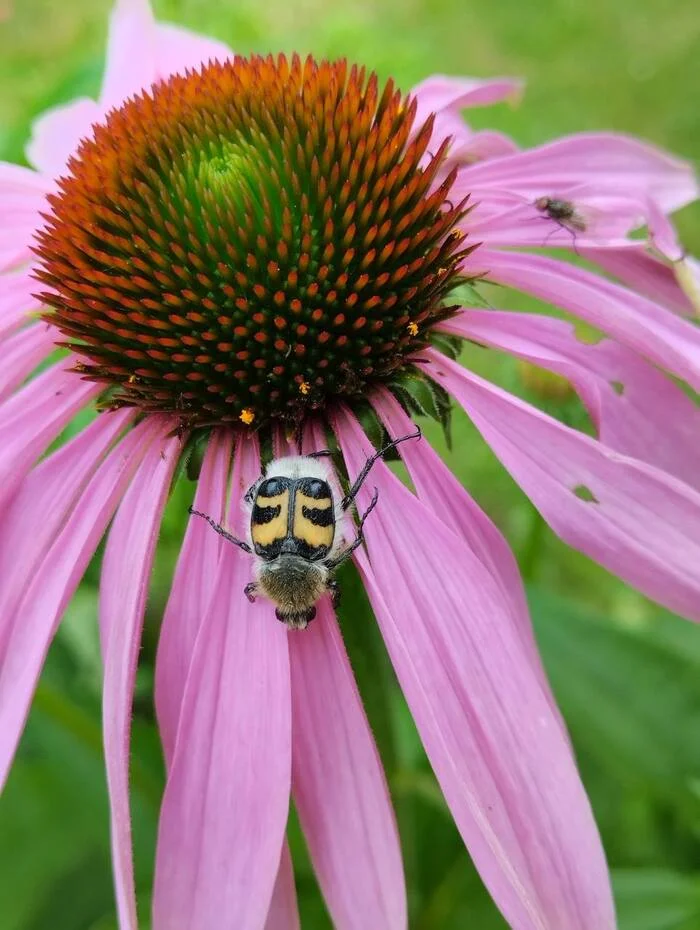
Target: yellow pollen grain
x,y
132,378
412,329
246,416
304,388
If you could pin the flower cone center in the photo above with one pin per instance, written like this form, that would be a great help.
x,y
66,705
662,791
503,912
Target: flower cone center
x,y
251,241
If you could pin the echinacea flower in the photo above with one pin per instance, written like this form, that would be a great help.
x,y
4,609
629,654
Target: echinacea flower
x,y
242,249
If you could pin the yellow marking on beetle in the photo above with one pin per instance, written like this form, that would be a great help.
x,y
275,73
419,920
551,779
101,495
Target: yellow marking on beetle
x,y
307,531
265,533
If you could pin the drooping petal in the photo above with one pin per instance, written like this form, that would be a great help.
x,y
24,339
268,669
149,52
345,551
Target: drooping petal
x,y
284,911
21,353
664,338
53,585
339,787
33,417
57,133
178,49
637,410
22,196
191,591
608,160
126,571
39,508
634,266
497,749
439,490
637,521
16,300
225,807
131,52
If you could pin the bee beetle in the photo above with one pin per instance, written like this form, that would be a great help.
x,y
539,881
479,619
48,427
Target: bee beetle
x,y
299,532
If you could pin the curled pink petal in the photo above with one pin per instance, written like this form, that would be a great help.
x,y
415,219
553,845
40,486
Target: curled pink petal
x,y
35,515
479,146
630,401
497,749
637,521
444,97
441,92
16,300
225,807
56,579
178,49
191,590
131,52
126,571
662,337
339,787
608,160
57,133
284,911
21,353
34,416
633,265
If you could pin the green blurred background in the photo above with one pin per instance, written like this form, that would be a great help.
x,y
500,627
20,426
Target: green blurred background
x,y
627,674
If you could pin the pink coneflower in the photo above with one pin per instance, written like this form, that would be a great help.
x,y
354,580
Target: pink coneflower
x,y
257,249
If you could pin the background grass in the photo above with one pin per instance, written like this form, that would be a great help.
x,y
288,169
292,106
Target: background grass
x,y
627,674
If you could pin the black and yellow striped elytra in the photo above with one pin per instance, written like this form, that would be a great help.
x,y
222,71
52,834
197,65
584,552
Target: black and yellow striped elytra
x,y
293,516
300,532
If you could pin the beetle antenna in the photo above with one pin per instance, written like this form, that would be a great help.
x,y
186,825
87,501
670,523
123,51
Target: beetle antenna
x,y
359,481
220,530
360,537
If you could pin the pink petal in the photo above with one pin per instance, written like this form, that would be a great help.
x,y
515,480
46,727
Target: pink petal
x,y
126,571
496,747
662,337
632,264
178,49
57,133
21,353
607,160
225,806
339,787
16,300
131,53
442,493
42,503
480,146
53,585
441,92
284,912
637,410
32,418
507,219
22,196
445,97
638,522
191,590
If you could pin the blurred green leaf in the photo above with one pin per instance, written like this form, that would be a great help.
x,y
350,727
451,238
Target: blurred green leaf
x,y
649,899
631,699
